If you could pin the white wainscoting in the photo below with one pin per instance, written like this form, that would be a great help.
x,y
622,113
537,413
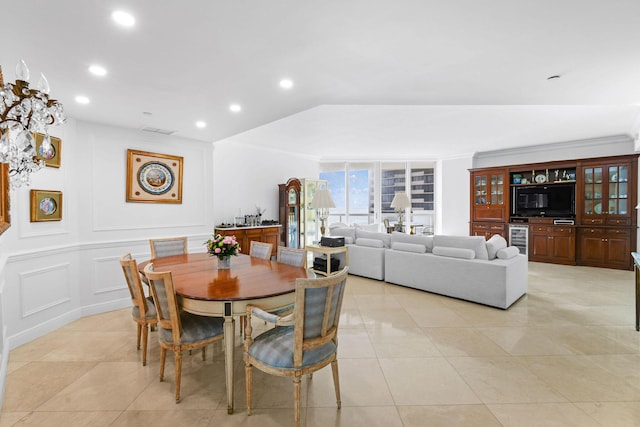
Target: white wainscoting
x,y
44,288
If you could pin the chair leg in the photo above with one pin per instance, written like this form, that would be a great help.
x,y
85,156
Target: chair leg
x,y
296,397
336,381
138,338
247,379
204,353
163,357
178,354
145,338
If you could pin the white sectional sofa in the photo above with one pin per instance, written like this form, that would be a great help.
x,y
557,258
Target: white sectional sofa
x,y
464,267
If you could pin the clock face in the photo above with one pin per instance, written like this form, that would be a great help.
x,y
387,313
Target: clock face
x,y
540,178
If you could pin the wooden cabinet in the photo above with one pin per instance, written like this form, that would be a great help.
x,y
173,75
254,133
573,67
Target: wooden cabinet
x,y
605,247
289,203
488,229
605,194
552,243
489,195
595,221
244,236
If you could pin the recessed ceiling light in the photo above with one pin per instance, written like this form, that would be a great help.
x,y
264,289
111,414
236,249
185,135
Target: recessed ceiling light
x,y
97,70
236,108
81,99
123,18
286,84
200,124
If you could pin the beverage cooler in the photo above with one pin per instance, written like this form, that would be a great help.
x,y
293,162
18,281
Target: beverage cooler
x,y
519,237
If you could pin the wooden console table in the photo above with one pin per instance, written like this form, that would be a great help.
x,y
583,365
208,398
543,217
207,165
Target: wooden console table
x,y
260,233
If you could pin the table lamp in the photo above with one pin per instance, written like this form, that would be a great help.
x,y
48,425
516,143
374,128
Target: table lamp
x,y
400,202
322,202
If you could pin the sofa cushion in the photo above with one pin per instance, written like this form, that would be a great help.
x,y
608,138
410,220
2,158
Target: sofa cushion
x,y
348,240
494,244
371,243
368,227
508,252
386,238
344,232
454,252
418,239
408,247
476,243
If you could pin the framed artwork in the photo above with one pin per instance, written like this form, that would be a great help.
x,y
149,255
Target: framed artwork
x,y
52,156
153,177
5,220
46,205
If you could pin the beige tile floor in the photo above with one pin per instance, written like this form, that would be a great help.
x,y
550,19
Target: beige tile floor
x,y
567,354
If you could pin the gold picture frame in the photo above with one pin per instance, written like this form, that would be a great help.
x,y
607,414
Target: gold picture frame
x,y
5,219
53,157
153,177
46,205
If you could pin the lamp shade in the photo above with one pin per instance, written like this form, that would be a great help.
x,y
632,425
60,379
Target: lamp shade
x,y
401,201
322,200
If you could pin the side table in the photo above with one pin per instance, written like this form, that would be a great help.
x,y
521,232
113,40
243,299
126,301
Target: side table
x,y
328,251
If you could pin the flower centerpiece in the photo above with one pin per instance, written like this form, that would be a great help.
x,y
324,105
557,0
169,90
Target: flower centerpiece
x,y
223,247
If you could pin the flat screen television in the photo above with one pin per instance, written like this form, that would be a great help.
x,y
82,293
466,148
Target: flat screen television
x,y
557,200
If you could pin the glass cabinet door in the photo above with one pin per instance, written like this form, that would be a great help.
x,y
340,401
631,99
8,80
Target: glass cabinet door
x,y
617,190
481,190
497,190
292,223
593,187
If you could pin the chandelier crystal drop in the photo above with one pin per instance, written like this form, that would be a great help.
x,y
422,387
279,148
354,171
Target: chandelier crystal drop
x,y
24,111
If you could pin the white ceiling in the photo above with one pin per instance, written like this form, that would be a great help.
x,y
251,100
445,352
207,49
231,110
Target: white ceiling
x,y
373,78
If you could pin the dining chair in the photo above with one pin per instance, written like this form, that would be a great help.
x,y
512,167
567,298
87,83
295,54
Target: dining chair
x,y
177,329
292,256
303,341
144,310
168,246
260,249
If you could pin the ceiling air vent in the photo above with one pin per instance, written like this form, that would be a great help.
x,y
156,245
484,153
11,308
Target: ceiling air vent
x,y
156,130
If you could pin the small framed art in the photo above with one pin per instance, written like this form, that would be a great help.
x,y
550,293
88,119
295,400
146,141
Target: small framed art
x,y
46,205
153,177
53,155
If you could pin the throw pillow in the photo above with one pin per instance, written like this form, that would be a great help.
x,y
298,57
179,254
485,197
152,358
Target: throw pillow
x,y
454,252
494,244
408,247
418,239
384,237
371,243
476,243
508,252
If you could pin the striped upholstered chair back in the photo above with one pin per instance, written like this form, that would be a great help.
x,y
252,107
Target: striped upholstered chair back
x,y
292,256
260,250
168,246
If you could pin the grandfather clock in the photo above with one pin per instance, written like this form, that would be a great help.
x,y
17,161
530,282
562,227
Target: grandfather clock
x,y
289,213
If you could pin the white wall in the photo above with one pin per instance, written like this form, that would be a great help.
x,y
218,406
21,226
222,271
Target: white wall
x,y
453,194
246,176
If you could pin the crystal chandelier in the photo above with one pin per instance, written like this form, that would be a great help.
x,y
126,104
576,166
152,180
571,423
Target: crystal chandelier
x,y
22,112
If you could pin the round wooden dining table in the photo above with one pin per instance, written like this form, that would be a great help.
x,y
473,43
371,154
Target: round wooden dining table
x,y
208,291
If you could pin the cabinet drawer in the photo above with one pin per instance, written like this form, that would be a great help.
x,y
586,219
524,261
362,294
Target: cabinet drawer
x,y
620,233
623,221
497,227
588,231
594,221
480,227
562,230
539,229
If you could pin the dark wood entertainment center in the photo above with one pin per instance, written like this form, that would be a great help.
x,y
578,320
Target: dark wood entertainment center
x,y
597,228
